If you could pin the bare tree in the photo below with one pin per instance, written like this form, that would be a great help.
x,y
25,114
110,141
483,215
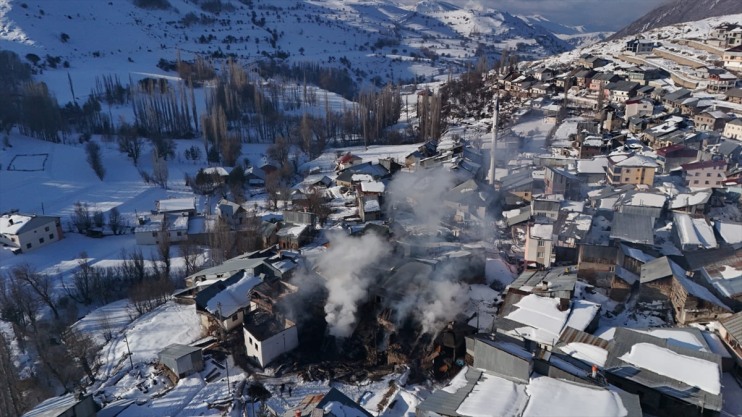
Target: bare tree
x,y
190,252
41,284
11,394
115,222
133,267
159,169
82,348
57,361
20,304
92,149
129,141
81,219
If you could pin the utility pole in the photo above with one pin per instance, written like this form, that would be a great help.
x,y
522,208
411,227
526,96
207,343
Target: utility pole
x,y
131,362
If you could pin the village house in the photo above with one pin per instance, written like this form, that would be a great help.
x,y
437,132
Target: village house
x,y
692,233
560,181
600,80
638,107
642,364
583,78
732,58
711,120
640,46
694,203
720,80
672,101
629,263
158,228
518,187
569,230
347,160
620,91
26,232
705,174
733,129
591,62
719,270
592,171
734,95
643,75
693,302
183,206
632,228
221,305
296,229
268,336
181,360
630,169
539,245
547,206
232,213
673,156
596,264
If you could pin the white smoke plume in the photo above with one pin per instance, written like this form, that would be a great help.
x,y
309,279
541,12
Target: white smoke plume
x,y
343,268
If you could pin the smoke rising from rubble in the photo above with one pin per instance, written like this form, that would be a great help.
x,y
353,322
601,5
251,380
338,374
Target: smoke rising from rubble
x,y
431,295
343,268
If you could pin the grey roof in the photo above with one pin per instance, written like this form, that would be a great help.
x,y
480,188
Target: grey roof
x,y
677,95
176,351
240,263
559,279
659,268
516,180
733,325
446,403
632,228
624,339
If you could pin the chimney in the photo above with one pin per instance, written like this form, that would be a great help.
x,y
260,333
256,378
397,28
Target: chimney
x,y
491,173
10,221
297,413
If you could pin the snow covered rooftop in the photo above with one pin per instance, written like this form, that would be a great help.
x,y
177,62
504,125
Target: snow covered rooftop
x,y
372,187
176,204
233,296
692,371
542,231
694,231
591,354
690,199
730,232
554,397
541,316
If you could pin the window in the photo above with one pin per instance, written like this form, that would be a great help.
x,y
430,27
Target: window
x,y
46,229
707,183
41,240
697,174
708,174
234,317
154,234
180,233
51,237
695,181
28,246
540,243
611,269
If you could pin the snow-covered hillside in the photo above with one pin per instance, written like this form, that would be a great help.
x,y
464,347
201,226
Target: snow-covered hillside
x,y
375,40
665,35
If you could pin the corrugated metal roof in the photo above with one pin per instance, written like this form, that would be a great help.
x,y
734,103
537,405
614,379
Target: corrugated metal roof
x,y
176,351
633,228
446,403
733,325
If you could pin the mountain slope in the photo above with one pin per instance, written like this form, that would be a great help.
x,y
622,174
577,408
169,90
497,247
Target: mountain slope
x,y
680,11
374,41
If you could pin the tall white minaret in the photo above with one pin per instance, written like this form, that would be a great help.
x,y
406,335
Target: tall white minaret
x,y
491,174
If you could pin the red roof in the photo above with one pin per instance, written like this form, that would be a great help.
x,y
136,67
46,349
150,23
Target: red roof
x,y
677,151
704,164
347,158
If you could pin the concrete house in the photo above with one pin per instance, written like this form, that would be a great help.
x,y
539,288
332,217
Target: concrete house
x,y
731,334
268,336
182,359
734,95
705,174
638,107
26,232
710,120
673,156
733,129
630,169
640,46
732,58
540,245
